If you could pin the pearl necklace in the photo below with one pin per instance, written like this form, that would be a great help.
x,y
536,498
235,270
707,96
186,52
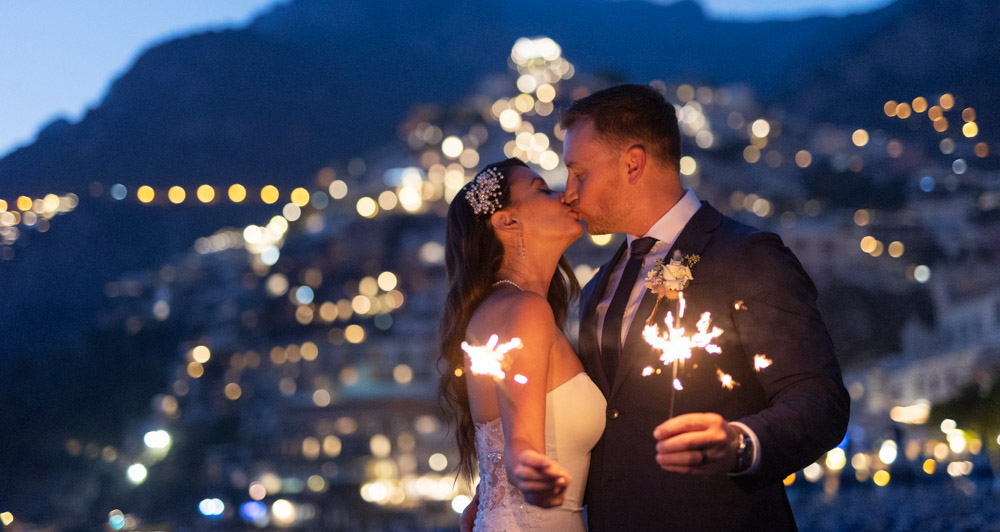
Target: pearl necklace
x,y
508,281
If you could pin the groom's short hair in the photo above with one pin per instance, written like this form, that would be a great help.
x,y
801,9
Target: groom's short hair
x,y
629,113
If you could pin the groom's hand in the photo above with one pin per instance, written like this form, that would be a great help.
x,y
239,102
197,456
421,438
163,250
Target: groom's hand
x,y
699,443
541,480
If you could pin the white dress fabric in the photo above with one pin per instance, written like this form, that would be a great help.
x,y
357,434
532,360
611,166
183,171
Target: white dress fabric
x,y
574,422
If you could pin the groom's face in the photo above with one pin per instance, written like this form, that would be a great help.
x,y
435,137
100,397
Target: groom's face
x,y
593,186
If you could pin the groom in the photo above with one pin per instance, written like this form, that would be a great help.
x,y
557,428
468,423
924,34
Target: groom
x,y
769,404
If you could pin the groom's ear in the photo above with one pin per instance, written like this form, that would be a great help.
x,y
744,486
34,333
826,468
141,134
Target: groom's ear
x,y
504,221
634,160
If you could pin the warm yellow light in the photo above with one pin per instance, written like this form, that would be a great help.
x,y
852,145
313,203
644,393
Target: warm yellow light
x,y
982,149
548,160
338,189
3,205
195,370
789,480
402,374
935,113
24,203
145,193
322,398
438,462
361,304
237,193
601,240
860,137
269,194
861,217
300,197
6,518
367,207
685,93
176,194
545,93
233,391
760,128
206,193
941,125
947,101
868,244
879,249
380,446
919,104
970,129
896,249
524,103
968,114
332,446
201,354
354,333
881,478
509,120
836,459
930,466
803,158
890,108
688,165
894,148
751,154
903,110
309,351
387,281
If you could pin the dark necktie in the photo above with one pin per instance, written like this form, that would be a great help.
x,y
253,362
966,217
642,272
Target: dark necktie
x,y
611,341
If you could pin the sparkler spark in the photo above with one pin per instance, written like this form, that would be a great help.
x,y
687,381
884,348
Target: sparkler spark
x,y
675,345
761,361
677,385
490,359
726,380
647,371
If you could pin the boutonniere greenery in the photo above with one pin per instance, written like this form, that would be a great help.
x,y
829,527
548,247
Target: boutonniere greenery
x,y
669,278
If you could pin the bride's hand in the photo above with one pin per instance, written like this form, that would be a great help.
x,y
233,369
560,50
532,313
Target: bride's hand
x,y
541,480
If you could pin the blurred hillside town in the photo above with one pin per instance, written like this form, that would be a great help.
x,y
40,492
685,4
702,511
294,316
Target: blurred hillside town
x,y
302,349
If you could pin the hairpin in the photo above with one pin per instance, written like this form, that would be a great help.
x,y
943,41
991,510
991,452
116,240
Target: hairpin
x,y
484,192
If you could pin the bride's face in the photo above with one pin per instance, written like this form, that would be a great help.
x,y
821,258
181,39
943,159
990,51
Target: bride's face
x,y
545,216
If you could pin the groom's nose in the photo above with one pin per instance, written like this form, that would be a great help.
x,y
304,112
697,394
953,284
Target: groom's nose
x,y
571,194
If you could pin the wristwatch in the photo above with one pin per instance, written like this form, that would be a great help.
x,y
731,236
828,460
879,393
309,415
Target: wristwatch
x,y
744,453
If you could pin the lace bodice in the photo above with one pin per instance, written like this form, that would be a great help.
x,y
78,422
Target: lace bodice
x,y
574,421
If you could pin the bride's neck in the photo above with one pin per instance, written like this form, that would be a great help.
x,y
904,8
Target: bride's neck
x,y
530,274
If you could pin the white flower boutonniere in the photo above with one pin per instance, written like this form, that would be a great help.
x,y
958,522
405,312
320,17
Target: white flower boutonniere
x,y
669,278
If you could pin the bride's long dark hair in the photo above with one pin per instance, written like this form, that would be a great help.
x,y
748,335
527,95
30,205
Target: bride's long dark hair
x,y
473,255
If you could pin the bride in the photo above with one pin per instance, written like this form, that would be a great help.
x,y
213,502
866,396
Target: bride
x,y
505,236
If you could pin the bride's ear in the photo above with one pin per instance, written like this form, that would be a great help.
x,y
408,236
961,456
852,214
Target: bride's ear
x,y
504,221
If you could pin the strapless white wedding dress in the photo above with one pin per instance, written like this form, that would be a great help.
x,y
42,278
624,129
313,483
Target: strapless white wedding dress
x,y
574,422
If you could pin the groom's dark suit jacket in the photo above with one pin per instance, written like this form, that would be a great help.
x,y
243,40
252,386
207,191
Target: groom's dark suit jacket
x,y
797,406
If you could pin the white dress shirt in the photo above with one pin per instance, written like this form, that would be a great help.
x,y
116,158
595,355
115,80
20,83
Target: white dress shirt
x,y
666,230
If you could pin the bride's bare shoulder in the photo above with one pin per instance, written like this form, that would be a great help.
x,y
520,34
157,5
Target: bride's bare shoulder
x,y
509,314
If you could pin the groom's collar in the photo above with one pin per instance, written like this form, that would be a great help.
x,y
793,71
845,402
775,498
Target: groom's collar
x,y
670,225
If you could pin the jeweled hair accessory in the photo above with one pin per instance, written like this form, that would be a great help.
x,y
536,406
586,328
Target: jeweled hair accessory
x,y
484,193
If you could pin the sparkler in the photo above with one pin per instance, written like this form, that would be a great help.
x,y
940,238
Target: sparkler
x,y
761,361
490,359
677,347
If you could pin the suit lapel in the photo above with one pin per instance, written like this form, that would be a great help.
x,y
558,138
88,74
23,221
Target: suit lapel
x,y
589,348
692,240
